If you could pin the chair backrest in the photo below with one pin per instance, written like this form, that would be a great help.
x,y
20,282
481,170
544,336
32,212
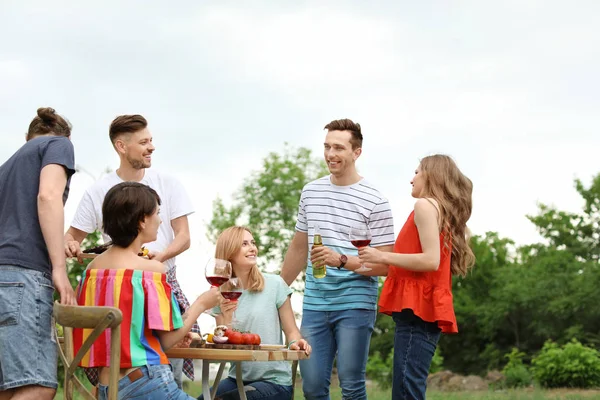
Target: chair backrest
x,y
98,319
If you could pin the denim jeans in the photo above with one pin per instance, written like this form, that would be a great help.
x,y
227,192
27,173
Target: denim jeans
x,y
263,390
156,384
346,334
414,344
28,352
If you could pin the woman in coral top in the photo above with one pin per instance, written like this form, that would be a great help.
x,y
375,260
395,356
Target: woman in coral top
x,y
152,321
431,247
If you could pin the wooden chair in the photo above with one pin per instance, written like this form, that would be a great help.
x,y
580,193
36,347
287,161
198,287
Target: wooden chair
x,y
98,319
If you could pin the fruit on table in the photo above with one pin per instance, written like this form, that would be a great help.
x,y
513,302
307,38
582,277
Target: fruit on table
x,y
237,337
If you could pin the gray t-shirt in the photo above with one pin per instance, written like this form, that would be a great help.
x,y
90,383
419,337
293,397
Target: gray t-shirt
x,y
258,312
21,241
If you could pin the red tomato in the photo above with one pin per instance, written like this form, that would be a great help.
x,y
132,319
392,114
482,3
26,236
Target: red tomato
x,y
247,338
256,338
235,337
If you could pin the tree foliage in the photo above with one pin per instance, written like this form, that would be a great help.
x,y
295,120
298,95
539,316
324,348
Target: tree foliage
x,y
267,201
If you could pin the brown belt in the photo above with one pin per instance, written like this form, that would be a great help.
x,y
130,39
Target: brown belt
x,y
135,375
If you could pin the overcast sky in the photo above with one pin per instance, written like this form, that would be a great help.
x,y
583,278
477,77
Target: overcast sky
x,y
509,89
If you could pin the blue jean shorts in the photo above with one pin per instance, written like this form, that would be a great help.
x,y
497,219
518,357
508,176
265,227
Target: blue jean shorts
x,y
28,352
152,382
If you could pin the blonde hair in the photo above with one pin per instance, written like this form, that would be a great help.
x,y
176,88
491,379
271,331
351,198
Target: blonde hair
x,y
229,244
453,191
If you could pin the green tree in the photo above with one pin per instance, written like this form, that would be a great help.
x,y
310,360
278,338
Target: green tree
x,y
267,201
577,233
475,348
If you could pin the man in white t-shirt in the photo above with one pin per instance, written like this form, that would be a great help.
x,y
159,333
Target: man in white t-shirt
x,y
132,140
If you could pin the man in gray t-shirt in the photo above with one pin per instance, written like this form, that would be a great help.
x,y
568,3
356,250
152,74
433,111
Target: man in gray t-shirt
x,y
34,185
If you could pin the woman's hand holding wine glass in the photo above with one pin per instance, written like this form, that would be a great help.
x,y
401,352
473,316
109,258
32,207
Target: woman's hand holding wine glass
x,y
360,237
231,291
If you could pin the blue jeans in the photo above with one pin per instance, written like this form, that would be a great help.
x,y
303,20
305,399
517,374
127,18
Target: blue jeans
x,y
346,334
156,384
28,352
414,344
264,390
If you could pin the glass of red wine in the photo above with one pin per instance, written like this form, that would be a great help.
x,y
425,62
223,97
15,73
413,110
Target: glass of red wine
x,y
232,290
217,271
360,236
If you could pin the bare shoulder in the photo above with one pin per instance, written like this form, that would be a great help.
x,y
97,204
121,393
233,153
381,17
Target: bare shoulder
x,y
427,205
151,265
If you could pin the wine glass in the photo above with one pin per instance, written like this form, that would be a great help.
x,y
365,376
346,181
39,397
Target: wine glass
x,y
360,236
232,290
217,271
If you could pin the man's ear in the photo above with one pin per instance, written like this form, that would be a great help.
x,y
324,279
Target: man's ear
x,y
120,146
357,152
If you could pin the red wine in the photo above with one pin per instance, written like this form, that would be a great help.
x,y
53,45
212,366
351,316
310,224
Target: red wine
x,y
360,243
216,281
231,295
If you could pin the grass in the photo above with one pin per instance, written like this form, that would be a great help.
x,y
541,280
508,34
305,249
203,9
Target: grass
x,y
374,393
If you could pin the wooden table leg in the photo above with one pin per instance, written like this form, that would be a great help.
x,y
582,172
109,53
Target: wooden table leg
x,y
240,382
217,380
205,380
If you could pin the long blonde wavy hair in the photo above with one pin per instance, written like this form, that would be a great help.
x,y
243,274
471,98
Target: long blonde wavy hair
x,y
453,191
229,244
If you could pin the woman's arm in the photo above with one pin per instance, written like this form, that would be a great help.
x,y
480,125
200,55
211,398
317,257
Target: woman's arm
x,y
205,301
426,220
292,333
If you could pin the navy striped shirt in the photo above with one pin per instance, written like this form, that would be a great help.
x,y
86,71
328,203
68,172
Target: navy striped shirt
x,y
335,209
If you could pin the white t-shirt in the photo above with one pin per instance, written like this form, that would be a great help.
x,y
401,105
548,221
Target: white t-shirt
x,y
175,203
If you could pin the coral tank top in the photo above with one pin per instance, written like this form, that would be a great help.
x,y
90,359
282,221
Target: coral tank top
x,y
427,294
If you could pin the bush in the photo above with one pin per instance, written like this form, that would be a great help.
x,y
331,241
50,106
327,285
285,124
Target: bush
x,y
437,363
380,369
515,372
573,365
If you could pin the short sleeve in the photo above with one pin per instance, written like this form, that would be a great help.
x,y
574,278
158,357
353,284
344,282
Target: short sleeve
x,y
59,151
162,310
301,224
181,204
283,291
381,224
85,216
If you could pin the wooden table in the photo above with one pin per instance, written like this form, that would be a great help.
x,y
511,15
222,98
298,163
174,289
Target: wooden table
x,y
223,356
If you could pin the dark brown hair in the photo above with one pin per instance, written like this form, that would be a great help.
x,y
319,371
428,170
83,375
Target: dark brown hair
x,y
124,207
126,124
347,125
48,121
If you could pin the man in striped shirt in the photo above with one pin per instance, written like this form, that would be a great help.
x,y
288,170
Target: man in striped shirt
x,y
339,310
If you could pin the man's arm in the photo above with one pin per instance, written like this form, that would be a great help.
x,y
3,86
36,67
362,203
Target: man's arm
x,y
327,256
53,180
180,243
295,258
73,239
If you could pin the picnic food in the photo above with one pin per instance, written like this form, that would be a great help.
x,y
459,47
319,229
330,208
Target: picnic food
x,y
218,336
237,337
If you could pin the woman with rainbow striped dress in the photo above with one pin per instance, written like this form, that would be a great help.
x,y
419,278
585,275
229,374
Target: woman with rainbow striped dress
x,y
152,321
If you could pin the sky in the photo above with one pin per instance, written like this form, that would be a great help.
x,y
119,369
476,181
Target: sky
x,y
509,89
